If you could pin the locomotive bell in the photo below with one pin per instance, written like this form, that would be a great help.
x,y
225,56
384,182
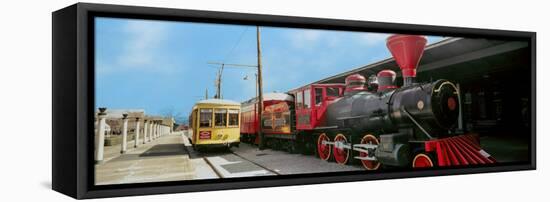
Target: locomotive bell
x,y
407,51
372,83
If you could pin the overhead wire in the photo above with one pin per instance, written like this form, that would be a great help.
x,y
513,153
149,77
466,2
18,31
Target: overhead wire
x,y
235,46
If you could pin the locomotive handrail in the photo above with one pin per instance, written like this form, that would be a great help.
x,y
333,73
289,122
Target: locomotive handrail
x,y
448,83
415,122
352,117
325,127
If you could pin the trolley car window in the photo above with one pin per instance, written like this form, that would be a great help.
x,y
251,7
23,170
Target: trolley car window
x,y
206,118
233,117
318,96
299,99
307,98
220,116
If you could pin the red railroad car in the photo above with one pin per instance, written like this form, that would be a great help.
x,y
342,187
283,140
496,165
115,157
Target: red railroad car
x,y
276,114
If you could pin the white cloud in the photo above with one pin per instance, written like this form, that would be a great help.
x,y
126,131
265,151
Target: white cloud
x,y
371,39
305,38
144,37
310,39
140,48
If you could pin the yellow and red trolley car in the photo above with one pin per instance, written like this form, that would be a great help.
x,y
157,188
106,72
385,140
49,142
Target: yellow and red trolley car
x,y
215,122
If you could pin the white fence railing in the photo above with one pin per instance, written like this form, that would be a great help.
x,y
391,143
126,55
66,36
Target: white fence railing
x,y
153,128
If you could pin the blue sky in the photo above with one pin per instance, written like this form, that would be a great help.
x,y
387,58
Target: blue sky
x,y
162,66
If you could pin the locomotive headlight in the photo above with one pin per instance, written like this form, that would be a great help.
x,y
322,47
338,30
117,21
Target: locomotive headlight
x,y
445,104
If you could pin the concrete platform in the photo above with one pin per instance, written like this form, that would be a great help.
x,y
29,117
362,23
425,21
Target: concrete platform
x,y
285,163
163,159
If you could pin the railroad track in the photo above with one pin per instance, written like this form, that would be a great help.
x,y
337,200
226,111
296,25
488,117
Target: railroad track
x,y
220,174
257,164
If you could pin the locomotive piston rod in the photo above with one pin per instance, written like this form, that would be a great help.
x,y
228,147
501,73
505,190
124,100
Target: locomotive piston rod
x,y
368,158
356,147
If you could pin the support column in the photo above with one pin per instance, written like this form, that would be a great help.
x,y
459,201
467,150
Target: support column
x,y
145,131
101,135
155,130
124,133
136,141
151,126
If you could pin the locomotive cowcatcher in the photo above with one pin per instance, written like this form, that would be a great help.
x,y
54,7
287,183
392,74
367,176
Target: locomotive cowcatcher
x,y
375,123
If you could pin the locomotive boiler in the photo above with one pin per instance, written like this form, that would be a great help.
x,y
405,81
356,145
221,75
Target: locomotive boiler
x,y
430,107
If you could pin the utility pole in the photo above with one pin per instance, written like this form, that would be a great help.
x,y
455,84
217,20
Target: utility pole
x,y
261,146
206,94
220,73
258,85
219,87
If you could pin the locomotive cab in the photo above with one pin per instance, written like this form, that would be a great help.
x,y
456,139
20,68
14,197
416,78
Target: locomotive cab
x,y
311,103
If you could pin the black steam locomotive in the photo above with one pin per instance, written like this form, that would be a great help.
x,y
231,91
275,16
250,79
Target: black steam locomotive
x,y
377,122
399,117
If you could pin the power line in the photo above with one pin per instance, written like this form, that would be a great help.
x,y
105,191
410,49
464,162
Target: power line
x,y
236,44
218,82
232,65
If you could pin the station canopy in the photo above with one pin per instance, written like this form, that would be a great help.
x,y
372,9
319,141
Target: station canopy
x,y
455,59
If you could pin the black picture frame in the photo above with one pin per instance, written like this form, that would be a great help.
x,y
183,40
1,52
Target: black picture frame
x,y
73,98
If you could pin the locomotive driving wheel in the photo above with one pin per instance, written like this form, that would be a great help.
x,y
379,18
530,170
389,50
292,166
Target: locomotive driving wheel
x,y
341,154
369,164
422,160
323,150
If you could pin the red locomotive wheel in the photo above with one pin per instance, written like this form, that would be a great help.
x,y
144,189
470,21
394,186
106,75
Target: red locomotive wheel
x,y
369,164
422,161
323,149
341,155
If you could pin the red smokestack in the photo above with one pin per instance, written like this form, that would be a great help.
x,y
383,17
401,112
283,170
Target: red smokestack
x,y
407,51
